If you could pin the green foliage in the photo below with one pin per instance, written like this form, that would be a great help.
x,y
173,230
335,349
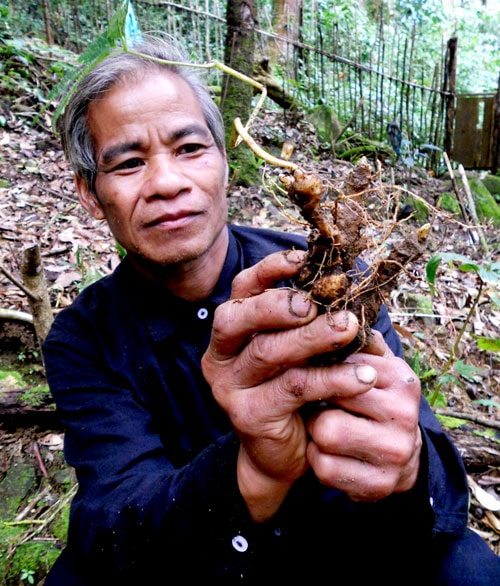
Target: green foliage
x,y
427,376
427,13
4,22
455,369
478,59
488,403
90,274
487,271
30,562
467,371
122,253
489,344
97,51
28,575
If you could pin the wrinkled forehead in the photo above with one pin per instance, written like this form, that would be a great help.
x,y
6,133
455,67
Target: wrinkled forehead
x,y
159,90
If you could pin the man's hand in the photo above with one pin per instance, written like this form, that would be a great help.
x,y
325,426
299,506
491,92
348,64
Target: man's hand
x,y
368,445
257,366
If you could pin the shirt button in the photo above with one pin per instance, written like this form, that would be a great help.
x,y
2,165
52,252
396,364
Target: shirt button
x,y
240,543
202,313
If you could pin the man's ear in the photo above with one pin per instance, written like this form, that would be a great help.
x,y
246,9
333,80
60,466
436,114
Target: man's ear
x,y
88,199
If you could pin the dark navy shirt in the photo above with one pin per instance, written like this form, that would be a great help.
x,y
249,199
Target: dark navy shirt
x,y
155,456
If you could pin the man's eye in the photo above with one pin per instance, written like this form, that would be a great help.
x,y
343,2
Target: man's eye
x,y
190,148
129,164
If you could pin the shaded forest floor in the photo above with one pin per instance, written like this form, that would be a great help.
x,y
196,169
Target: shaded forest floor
x,y
38,206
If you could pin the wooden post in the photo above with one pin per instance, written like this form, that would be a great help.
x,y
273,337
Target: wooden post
x,y
34,281
449,86
46,16
495,155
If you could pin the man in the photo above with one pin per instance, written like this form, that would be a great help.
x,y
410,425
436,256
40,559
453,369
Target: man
x,y
206,445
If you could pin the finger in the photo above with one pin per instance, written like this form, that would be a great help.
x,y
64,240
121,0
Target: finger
x,y
392,373
361,480
337,431
300,384
266,354
377,345
266,274
394,398
296,387
237,321
360,456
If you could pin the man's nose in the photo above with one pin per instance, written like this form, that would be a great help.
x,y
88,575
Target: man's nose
x,y
164,177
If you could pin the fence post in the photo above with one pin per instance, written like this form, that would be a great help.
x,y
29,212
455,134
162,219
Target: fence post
x,y
496,132
450,77
46,16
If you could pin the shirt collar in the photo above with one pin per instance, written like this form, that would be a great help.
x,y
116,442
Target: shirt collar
x,y
163,313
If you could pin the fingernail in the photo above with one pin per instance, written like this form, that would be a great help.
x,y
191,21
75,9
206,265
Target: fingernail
x,y
365,374
295,256
300,305
339,320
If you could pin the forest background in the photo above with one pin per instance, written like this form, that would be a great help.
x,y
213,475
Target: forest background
x,y
340,74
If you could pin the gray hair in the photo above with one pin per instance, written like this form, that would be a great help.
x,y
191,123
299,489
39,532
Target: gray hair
x,y
76,138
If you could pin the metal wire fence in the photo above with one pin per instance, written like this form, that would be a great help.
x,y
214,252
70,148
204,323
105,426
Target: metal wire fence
x,y
366,87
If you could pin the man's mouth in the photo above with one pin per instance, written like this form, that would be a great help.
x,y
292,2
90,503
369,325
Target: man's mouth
x,y
172,220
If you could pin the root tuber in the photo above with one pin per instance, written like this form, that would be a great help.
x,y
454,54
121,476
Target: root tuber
x,y
336,275
332,273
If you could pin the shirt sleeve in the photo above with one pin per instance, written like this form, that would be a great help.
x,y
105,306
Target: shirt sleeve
x,y
133,503
442,486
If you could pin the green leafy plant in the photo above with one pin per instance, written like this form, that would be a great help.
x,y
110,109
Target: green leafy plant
x,y
90,273
426,375
96,52
486,272
28,575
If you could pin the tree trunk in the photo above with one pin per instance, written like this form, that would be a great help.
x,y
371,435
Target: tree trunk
x,y
287,19
38,295
237,95
18,404
48,29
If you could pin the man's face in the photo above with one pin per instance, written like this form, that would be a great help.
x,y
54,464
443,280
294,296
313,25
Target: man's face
x,y
161,178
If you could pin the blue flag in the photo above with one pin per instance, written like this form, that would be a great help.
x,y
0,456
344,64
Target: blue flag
x,y
132,30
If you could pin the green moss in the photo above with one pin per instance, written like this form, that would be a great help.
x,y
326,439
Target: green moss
x,y
33,558
491,434
60,524
448,202
37,396
492,184
422,210
14,487
486,206
451,422
11,379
